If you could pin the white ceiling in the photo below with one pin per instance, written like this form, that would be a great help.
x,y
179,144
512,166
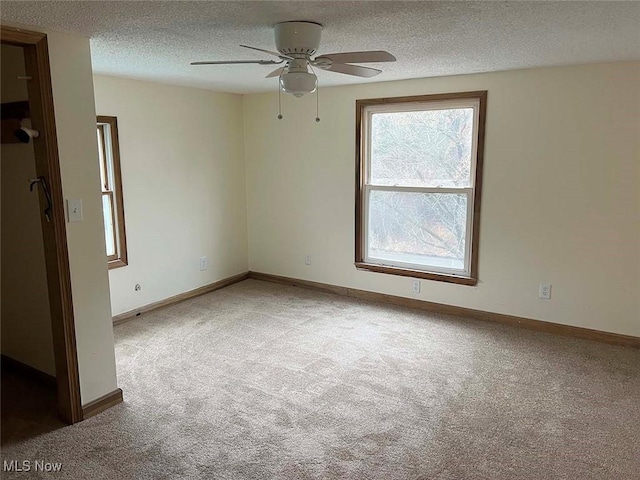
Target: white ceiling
x,y
156,40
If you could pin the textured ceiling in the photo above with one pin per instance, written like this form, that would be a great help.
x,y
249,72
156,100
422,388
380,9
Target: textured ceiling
x,y
156,40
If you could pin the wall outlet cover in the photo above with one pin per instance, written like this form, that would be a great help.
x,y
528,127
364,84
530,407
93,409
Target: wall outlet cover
x,y
545,291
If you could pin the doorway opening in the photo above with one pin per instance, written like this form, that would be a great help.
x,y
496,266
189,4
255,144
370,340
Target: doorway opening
x,y
38,332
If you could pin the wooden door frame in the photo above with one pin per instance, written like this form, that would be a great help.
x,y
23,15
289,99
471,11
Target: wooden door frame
x,y
36,52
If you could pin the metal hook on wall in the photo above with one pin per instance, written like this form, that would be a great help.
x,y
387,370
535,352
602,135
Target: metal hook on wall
x,y
43,182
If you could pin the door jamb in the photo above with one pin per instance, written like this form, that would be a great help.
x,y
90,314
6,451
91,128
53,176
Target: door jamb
x,y
54,234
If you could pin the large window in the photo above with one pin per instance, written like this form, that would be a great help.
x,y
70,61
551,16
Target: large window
x,y
418,185
111,182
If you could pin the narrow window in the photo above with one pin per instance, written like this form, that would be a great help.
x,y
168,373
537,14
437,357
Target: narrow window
x,y
419,172
111,183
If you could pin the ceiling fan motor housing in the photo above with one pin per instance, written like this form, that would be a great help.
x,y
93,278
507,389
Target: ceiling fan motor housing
x,y
298,38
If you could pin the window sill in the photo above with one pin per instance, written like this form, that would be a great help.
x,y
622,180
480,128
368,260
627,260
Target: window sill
x,y
116,263
438,277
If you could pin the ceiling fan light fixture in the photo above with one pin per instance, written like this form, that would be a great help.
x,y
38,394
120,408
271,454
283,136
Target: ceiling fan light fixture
x,y
298,83
296,43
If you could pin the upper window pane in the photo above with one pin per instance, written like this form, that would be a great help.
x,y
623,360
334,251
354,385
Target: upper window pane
x,y
428,148
102,158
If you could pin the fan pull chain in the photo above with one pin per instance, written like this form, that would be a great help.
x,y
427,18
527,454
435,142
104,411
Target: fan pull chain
x,y
317,95
280,97
317,104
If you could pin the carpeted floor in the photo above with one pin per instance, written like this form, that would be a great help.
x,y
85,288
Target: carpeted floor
x,y
260,381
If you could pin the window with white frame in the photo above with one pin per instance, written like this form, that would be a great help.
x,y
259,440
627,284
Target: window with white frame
x,y
111,183
419,183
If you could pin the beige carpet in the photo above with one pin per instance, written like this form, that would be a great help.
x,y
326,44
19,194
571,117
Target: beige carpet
x,y
261,381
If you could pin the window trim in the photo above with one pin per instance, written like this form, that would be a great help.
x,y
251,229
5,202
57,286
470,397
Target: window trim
x,y
121,237
362,189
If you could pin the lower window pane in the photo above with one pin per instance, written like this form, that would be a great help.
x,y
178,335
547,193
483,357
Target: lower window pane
x,y
422,229
109,233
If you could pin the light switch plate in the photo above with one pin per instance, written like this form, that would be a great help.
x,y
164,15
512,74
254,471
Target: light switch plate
x,y
74,210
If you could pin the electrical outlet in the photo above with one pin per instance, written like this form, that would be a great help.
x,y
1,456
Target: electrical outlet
x,y
545,291
415,286
203,263
307,259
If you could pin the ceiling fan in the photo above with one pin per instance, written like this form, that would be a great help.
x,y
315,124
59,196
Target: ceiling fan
x,y
296,43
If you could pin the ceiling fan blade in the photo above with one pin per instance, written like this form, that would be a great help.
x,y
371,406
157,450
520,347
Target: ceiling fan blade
x,y
360,57
236,62
277,72
284,57
355,70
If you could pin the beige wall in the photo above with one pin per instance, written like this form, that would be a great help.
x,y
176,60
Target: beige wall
x,y
560,202
26,320
72,83
184,187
